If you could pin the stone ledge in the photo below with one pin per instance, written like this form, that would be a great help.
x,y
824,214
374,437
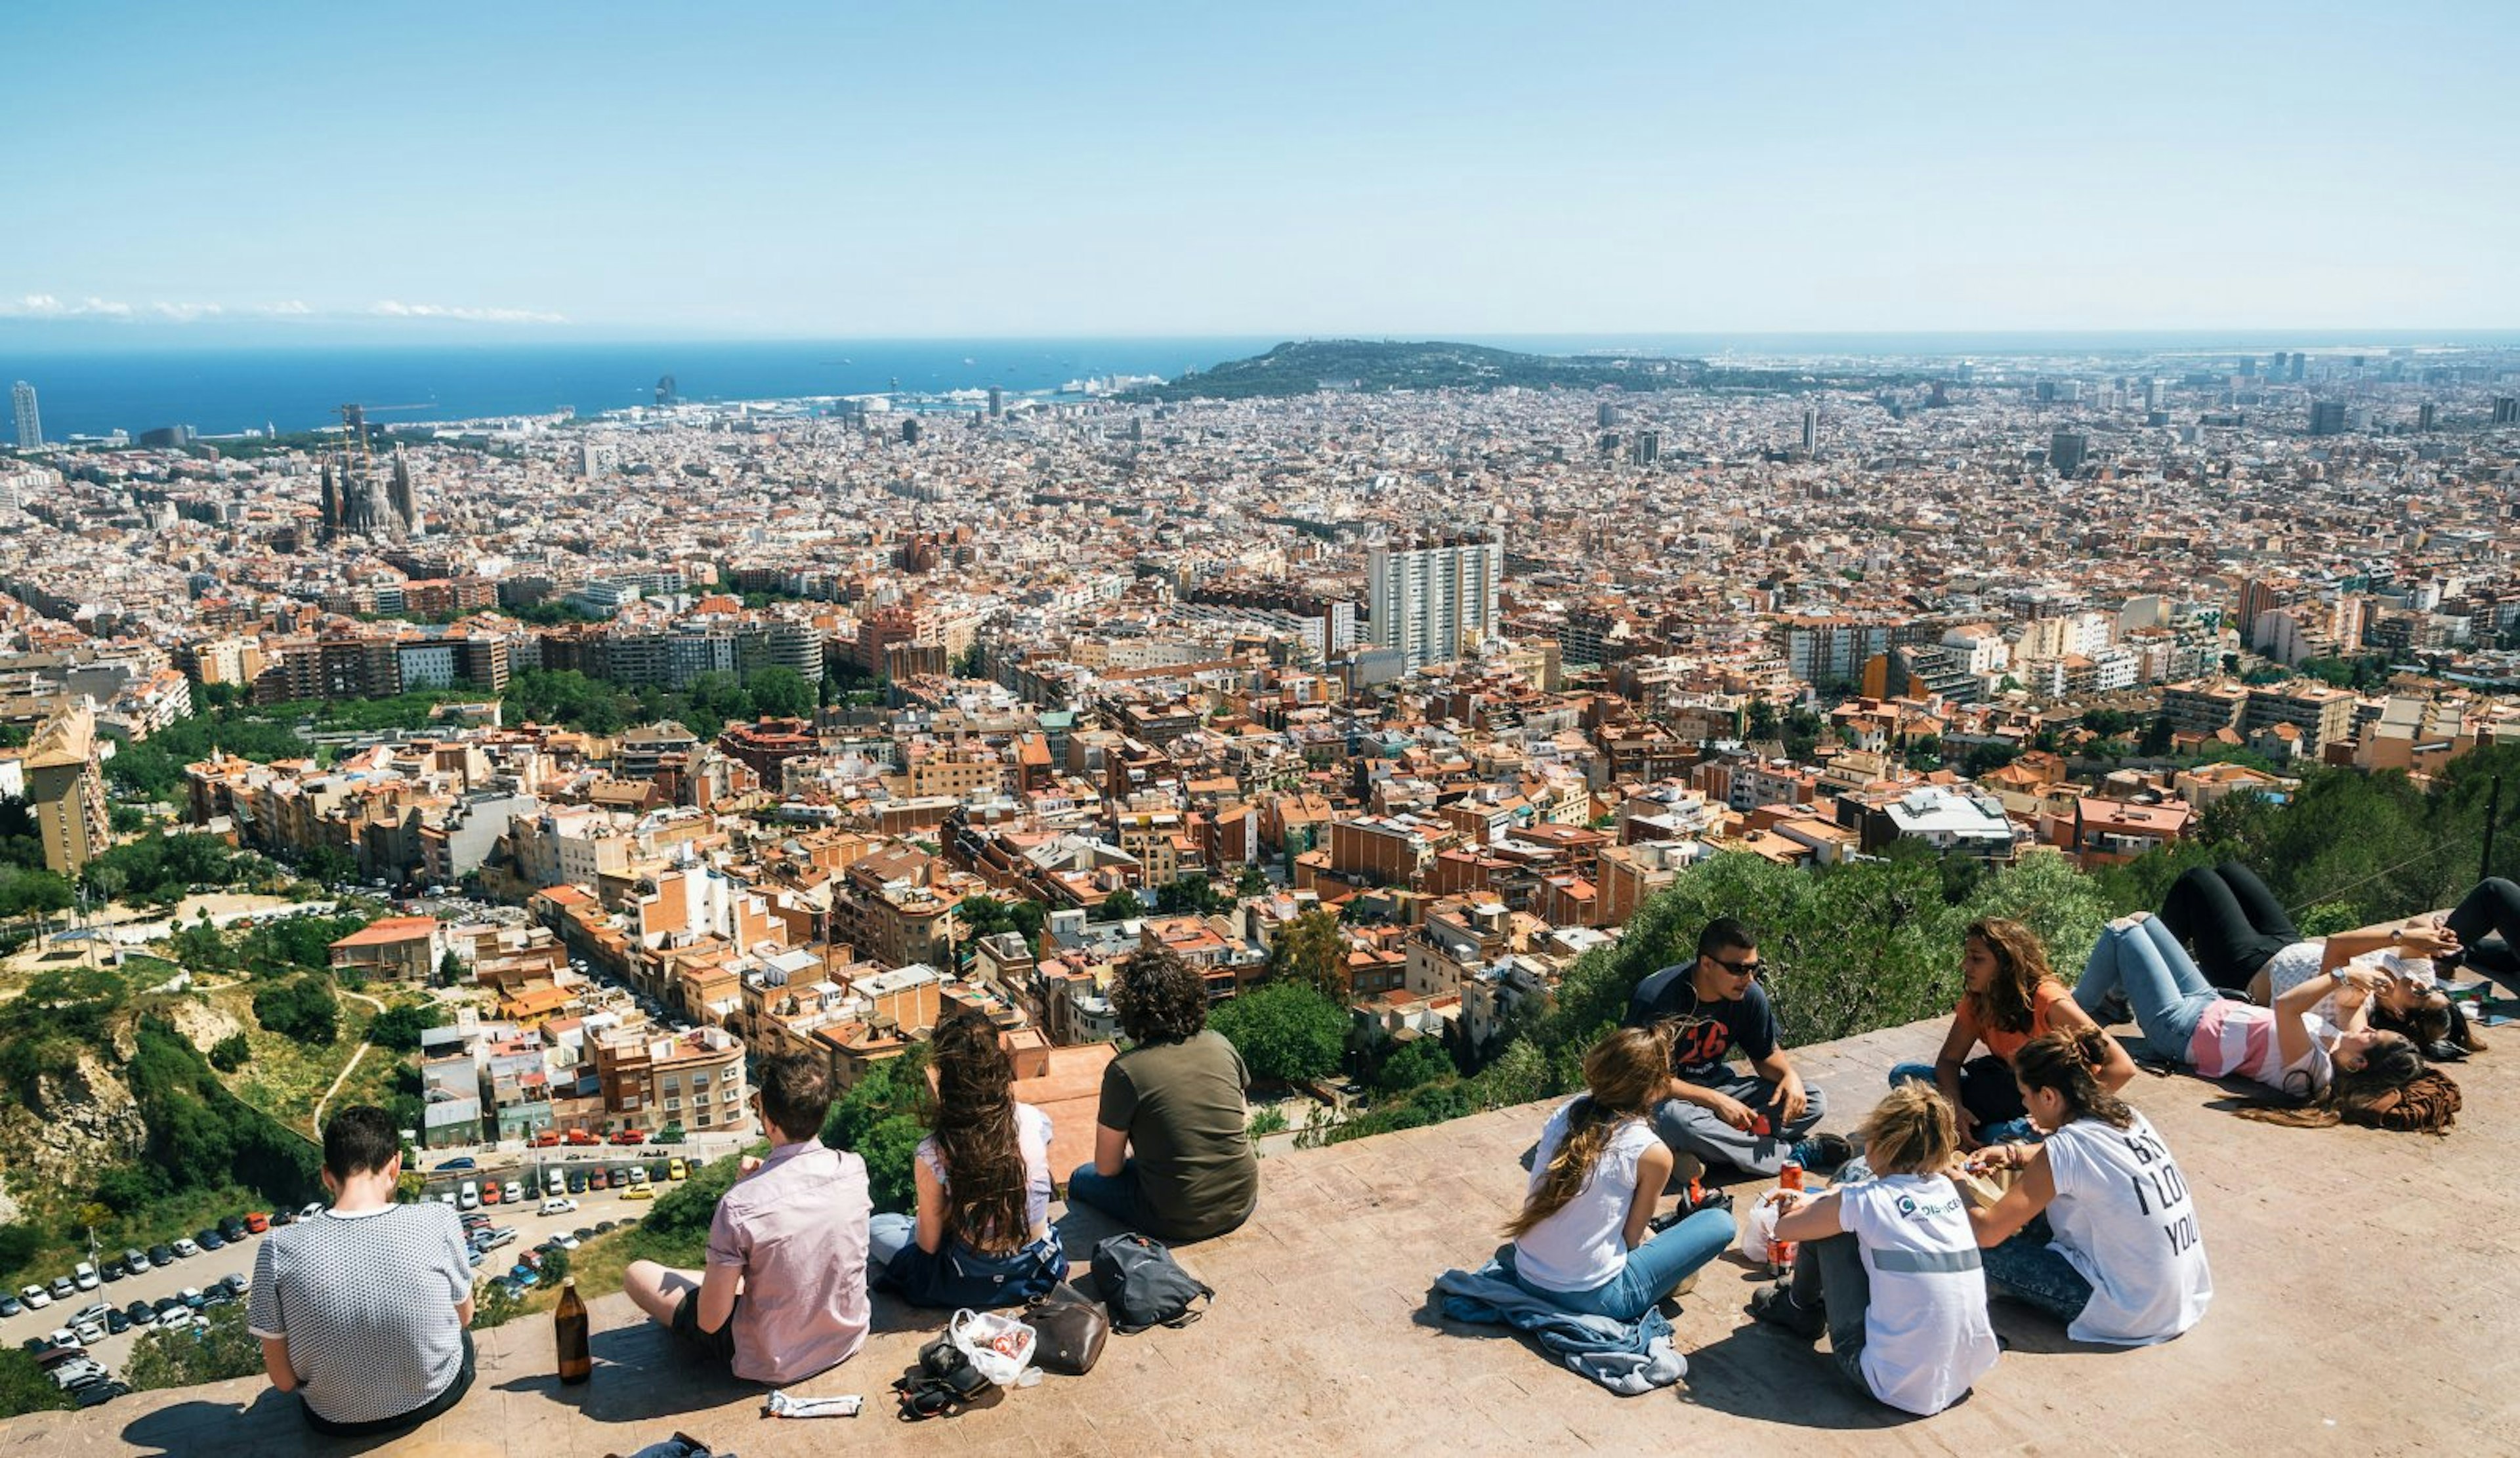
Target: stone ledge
x,y
2365,1286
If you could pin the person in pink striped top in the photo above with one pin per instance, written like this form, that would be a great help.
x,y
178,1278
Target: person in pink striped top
x,y
2289,1047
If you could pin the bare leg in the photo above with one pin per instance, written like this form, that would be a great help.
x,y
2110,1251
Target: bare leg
x,y
657,1289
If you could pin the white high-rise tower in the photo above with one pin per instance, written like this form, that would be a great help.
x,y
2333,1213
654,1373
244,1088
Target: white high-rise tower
x,y
1436,602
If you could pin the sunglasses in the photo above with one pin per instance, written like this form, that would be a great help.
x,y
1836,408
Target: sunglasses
x,y
1751,968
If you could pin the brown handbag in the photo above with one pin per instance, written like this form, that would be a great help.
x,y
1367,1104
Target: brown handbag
x,y
1068,1330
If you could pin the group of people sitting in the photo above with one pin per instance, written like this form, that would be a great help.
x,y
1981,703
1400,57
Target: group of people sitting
x,y
2020,1170
2079,1207
795,1245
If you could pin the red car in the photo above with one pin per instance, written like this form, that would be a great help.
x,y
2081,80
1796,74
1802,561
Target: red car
x,y
256,1221
489,1192
581,1136
545,1141
597,1180
631,1136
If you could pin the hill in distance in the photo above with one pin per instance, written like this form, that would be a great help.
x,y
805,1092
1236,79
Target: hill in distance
x,y
1303,367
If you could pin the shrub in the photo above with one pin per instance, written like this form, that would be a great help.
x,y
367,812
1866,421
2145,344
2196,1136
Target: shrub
x,y
230,1053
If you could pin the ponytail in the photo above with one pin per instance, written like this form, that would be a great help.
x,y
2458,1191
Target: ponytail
x,y
1625,1072
2067,1062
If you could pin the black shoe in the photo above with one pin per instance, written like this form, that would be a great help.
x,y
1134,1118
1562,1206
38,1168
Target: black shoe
x,y
1706,1200
1775,1304
1823,1152
2446,1052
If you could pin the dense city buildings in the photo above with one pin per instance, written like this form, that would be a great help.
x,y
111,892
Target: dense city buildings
x,y
786,726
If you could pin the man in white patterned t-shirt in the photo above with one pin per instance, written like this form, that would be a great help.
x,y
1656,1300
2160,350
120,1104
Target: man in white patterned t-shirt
x,y
363,1310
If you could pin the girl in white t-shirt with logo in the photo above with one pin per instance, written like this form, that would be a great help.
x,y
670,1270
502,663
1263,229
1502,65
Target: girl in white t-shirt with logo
x,y
2097,1228
1889,1265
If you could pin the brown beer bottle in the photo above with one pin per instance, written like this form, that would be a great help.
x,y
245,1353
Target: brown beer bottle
x,y
568,1324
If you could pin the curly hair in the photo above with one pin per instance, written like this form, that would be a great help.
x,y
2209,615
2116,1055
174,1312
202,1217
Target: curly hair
x,y
975,1129
2395,1089
1159,998
2010,1001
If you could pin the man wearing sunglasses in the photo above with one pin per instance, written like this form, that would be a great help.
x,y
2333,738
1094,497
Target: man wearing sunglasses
x,y
1755,1120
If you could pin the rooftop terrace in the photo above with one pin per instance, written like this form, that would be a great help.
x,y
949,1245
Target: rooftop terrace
x,y
2365,1303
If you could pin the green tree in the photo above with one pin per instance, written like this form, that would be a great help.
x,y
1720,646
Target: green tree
x,y
1310,951
883,1118
1762,724
493,1307
24,1387
781,694
399,1028
1193,896
218,1350
1267,1119
1421,1062
1251,880
1285,1031
555,1268
1925,755
231,1053
1120,905
302,1009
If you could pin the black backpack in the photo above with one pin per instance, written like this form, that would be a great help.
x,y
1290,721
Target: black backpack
x,y
1143,1286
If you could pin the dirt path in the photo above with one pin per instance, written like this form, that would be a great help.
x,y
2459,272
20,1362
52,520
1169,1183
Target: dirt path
x,y
360,1052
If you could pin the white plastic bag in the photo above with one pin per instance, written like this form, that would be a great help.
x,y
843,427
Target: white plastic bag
x,y
999,1347
1760,1228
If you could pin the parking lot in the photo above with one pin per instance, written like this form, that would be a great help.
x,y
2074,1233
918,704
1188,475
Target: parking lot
x,y
210,1266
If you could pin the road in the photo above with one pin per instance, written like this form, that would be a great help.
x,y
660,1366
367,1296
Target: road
x,y
209,1266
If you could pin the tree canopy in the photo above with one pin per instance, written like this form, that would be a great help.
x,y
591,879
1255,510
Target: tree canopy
x,y
1285,1031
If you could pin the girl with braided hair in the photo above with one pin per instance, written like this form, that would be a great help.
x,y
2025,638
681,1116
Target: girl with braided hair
x,y
1580,1240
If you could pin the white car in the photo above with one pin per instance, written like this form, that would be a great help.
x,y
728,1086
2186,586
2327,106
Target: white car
x,y
65,1338
513,1193
36,1298
558,1205
89,1333
467,1196
186,1248
83,1275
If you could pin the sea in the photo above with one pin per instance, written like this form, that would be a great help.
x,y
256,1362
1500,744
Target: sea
x,y
98,387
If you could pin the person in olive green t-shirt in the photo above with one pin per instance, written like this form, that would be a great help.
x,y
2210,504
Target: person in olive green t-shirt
x,y
1171,1157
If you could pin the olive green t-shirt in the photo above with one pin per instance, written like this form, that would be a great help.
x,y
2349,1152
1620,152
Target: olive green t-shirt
x,y
1182,1104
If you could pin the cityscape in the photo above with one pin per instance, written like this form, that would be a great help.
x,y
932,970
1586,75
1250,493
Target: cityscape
x,y
554,778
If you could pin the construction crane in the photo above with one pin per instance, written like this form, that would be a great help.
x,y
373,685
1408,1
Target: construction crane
x,y
354,420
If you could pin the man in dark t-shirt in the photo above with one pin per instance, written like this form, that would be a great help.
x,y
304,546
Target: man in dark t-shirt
x,y
1752,1119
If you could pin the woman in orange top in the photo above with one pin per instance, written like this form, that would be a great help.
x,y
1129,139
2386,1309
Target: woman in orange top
x,y
2009,995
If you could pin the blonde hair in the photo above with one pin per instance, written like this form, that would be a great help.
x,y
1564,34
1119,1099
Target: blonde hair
x,y
1912,1129
1625,1073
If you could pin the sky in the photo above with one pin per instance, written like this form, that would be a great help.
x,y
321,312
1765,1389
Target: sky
x,y
871,170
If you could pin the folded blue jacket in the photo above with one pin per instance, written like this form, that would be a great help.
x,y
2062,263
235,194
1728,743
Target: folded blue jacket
x,y
1628,1357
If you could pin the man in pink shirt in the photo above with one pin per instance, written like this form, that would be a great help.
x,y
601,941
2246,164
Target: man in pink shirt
x,y
785,1295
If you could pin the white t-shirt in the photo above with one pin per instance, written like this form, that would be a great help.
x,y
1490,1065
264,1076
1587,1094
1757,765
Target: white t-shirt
x,y
1585,1242
2123,1221
1925,1333
1032,1136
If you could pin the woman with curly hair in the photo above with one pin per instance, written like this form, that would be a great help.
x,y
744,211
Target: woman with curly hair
x,y
1171,1158
982,1236
2008,995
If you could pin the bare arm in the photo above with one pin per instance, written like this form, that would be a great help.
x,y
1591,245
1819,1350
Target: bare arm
x,y
1811,1219
2419,936
2030,1193
930,1233
1654,1170
719,1287
275,1362
1110,1150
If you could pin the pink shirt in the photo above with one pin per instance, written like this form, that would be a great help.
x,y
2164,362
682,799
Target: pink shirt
x,y
2238,1039
796,1227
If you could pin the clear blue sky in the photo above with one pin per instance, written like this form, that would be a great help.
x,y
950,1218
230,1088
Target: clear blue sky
x,y
1186,168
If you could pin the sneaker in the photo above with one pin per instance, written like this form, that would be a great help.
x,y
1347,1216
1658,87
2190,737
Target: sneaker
x,y
1775,1304
1824,1152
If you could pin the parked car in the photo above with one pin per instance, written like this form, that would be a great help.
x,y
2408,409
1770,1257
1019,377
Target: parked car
x,y
167,1303
232,1229
474,1256
671,1133
546,1140
141,1314
474,1220
235,1282
606,1227
580,1136
489,1192
583,1232
504,1235
35,1296
638,1176
113,1270
64,1337
640,1192
561,1240
558,1205
83,1275
631,1136
116,1323
310,1209
162,1254
137,1259
191,1295
9,1306
216,1295
209,1239
460,1161
91,1315
467,1195
98,1394
515,1193
256,1221
576,1182
187,1249
90,1332
182,1318
64,1288
283,1218
37,1345
675,1169
598,1179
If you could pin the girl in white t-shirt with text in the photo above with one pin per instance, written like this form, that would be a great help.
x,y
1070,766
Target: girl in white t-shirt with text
x,y
1889,1265
2098,1228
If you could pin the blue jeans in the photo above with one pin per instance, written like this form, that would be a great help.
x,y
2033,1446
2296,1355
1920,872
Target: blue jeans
x,y
2025,1269
2168,993
1117,1196
957,1275
1999,1113
1653,1270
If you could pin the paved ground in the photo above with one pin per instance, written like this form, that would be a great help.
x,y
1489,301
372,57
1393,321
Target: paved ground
x,y
2365,1304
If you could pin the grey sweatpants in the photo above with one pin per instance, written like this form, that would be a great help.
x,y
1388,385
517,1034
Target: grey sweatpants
x,y
1690,1130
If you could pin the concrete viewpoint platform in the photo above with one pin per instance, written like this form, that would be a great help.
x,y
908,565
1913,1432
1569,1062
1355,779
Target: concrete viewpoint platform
x,y
2367,1300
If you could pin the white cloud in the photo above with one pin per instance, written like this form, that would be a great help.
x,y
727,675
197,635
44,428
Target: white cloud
x,y
186,313
395,309
289,306
47,306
